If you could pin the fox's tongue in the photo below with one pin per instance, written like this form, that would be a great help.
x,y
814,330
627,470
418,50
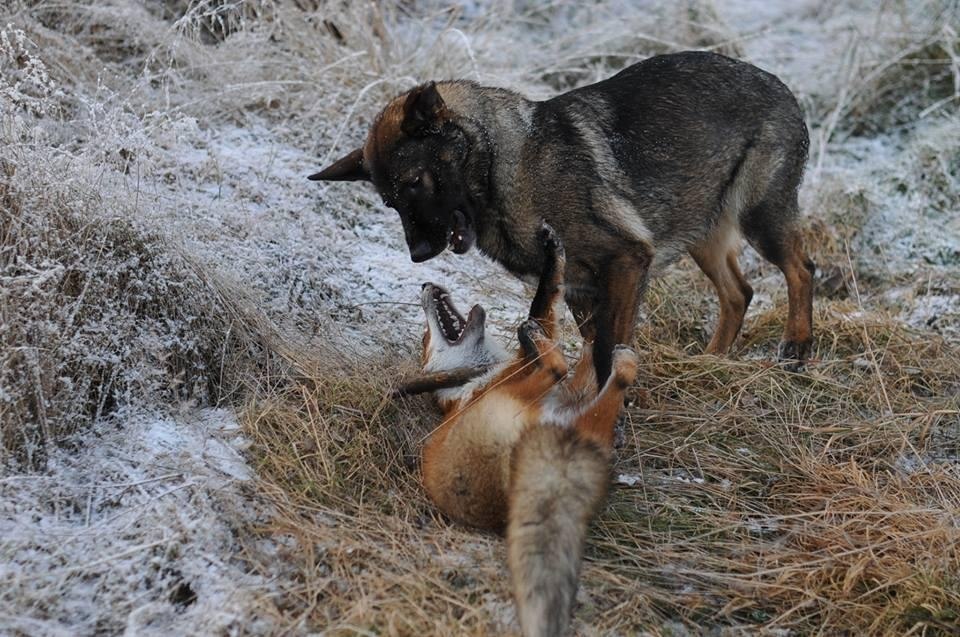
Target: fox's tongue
x,y
461,236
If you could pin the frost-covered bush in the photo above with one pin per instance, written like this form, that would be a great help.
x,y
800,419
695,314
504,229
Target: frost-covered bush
x,y
94,310
91,314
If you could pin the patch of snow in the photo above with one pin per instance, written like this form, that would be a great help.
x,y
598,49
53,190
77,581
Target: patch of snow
x,y
939,312
502,613
760,526
132,521
133,529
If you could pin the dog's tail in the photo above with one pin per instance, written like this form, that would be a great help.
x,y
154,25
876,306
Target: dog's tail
x,y
558,482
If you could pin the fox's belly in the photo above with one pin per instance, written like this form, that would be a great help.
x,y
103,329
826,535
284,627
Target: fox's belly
x,y
466,472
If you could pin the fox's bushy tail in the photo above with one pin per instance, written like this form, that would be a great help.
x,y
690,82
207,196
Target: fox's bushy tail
x,y
558,482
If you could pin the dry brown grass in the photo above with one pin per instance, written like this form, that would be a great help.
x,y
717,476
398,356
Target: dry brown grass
x,y
820,502
766,502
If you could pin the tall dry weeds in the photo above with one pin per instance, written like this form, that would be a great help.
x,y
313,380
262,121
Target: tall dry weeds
x,y
752,500
96,309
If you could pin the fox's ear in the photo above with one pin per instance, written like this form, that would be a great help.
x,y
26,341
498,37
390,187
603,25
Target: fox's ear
x,y
477,316
349,168
422,109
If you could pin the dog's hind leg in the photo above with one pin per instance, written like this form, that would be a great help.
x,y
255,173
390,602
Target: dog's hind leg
x,y
717,257
764,198
777,237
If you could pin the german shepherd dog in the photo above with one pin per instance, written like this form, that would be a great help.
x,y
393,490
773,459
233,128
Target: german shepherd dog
x,y
684,152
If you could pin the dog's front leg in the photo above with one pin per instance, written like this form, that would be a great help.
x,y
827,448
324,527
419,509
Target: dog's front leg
x,y
622,282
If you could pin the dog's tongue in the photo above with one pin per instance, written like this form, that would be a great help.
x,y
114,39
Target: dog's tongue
x,y
462,235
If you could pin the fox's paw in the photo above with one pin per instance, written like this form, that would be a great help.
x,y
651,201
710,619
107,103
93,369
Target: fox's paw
x,y
550,240
624,366
794,354
535,343
530,333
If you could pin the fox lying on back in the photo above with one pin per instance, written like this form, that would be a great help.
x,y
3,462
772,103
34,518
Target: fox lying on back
x,y
522,448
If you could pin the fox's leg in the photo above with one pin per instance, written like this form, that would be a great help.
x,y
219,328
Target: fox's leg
x,y
622,283
544,364
717,257
544,307
776,236
598,419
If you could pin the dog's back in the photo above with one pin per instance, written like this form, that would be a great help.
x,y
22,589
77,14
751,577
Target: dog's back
x,y
667,146
680,153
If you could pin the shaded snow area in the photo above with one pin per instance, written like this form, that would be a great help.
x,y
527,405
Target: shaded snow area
x,y
135,527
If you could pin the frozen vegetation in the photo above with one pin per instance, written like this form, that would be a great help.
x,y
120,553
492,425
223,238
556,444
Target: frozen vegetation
x,y
195,341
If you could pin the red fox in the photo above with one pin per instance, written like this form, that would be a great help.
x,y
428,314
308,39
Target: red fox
x,y
521,448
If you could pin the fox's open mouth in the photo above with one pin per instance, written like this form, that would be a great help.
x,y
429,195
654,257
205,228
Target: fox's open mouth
x,y
451,322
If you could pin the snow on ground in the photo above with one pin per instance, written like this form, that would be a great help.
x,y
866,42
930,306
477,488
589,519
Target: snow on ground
x,y
136,526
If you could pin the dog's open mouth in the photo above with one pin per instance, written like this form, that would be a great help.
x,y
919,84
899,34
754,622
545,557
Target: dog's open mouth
x,y
461,235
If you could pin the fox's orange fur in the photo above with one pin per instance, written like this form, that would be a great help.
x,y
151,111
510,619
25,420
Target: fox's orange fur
x,y
523,448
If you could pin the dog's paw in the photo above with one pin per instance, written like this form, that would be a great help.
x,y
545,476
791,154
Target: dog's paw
x,y
793,354
624,366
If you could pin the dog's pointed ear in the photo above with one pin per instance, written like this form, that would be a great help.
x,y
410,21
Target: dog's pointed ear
x,y
348,168
422,109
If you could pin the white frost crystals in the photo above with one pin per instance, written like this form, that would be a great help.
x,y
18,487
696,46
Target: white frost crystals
x,y
133,529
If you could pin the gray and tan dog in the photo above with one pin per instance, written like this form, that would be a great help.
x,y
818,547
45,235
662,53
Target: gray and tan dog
x,y
679,153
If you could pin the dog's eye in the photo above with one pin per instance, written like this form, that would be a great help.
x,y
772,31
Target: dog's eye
x,y
413,185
